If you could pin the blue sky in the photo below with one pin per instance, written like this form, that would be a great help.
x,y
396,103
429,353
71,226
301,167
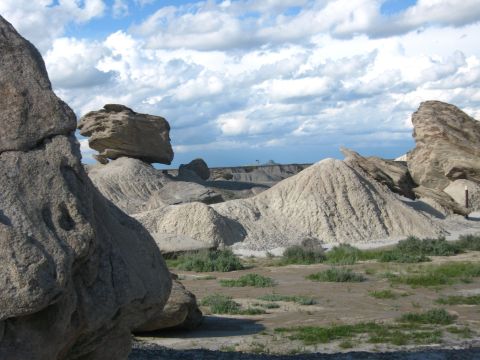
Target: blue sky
x,y
247,80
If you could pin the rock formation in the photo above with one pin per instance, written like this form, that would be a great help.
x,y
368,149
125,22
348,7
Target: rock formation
x,y
181,311
330,201
197,166
456,190
117,131
77,274
393,174
447,146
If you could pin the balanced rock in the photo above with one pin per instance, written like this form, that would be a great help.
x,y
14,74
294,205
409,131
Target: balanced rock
x,y
181,311
197,166
447,146
77,274
117,131
393,174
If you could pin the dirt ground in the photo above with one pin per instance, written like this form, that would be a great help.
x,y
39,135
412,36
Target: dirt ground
x,y
337,303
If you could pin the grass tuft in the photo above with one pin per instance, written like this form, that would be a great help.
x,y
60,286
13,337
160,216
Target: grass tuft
x,y
383,294
337,275
301,300
460,300
432,317
207,260
254,280
221,304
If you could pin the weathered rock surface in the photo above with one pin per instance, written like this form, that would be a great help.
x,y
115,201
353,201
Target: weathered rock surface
x,y
181,311
393,174
180,192
445,201
77,274
29,110
456,190
447,146
330,201
198,166
117,131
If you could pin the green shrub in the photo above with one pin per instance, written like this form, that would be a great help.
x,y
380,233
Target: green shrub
x,y
302,300
343,254
298,254
429,247
254,280
469,242
336,275
460,300
432,317
221,304
211,260
383,294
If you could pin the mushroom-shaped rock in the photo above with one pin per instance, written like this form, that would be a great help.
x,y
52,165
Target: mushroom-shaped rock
x,y
117,131
197,166
77,274
447,146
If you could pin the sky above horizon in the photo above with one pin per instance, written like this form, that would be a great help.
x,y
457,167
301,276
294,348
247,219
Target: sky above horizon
x,y
245,80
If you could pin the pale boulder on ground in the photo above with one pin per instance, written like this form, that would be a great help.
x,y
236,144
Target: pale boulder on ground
x,y
77,274
447,146
181,311
456,190
117,131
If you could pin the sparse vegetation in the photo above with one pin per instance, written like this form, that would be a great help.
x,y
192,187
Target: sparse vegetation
x,y
335,274
254,280
221,304
302,300
383,294
298,254
433,317
438,275
460,300
206,261
343,254
469,242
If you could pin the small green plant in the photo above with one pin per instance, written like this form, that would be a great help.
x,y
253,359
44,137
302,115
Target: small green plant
x,y
302,300
462,332
221,304
336,275
433,317
269,305
460,300
469,242
343,254
383,294
438,275
254,280
207,277
298,254
208,260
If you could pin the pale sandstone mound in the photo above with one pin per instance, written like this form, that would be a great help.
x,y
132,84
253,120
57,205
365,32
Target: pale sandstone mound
x,y
447,146
190,226
329,201
181,311
456,190
393,174
117,131
135,186
77,274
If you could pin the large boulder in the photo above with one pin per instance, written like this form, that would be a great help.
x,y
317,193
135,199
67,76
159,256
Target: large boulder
x,y
447,146
197,166
117,131
393,174
77,274
181,311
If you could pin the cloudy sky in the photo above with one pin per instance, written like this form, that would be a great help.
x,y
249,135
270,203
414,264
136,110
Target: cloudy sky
x,y
246,80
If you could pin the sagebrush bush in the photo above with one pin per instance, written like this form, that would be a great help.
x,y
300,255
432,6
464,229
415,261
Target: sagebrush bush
x,y
433,317
209,260
298,254
469,242
343,254
336,275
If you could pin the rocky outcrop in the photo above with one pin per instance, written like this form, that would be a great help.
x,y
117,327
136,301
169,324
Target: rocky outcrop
x,y
456,190
393,174
77,274
197,166
180,312
329,201
447,146
444,201
117,131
